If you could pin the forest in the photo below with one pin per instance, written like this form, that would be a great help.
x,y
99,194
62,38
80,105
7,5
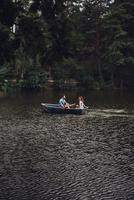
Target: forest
x,y
70,42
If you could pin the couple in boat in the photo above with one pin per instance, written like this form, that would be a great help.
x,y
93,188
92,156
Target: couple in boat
x,y
64,104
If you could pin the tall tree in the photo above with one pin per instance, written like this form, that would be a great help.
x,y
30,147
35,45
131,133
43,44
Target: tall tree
x,y
93,14
8,12
118,41
31,38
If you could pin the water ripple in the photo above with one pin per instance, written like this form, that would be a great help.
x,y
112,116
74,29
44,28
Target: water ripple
x,y
67,157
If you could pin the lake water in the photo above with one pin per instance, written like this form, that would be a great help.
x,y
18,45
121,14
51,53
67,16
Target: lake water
x,y
67,157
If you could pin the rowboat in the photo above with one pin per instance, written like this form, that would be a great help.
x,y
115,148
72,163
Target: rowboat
x,y
56,108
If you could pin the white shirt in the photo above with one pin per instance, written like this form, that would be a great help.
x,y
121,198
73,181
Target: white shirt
x,y
81,104
62,102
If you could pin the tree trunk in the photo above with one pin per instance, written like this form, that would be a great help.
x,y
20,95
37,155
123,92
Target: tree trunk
x,y
101,79
121,84
112,78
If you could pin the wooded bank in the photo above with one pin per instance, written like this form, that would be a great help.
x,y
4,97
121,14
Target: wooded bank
x,y
90,42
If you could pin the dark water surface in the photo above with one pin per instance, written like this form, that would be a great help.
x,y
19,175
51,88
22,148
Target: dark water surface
x,y
67,157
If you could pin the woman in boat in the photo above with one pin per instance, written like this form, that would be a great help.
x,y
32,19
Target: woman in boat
x,y
63,102
81,103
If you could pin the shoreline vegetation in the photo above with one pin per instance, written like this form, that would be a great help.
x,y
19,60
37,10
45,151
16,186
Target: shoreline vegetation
x,y
66,44
71,84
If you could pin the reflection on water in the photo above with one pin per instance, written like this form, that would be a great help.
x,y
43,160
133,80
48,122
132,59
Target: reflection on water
x,y
66,157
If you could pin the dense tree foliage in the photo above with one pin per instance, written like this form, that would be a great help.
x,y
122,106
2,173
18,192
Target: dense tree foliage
x,y
89,41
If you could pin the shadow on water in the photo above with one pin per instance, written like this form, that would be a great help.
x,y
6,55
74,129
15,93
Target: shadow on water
x,y
67,157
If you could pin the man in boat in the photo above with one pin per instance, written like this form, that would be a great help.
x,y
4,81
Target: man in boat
x,y
63,102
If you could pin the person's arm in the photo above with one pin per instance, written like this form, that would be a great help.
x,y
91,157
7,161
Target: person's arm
x,y
85,106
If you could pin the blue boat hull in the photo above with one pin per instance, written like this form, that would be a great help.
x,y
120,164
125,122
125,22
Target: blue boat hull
x,y
56,108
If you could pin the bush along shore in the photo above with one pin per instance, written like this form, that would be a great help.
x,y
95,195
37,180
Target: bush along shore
x,y
69,84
